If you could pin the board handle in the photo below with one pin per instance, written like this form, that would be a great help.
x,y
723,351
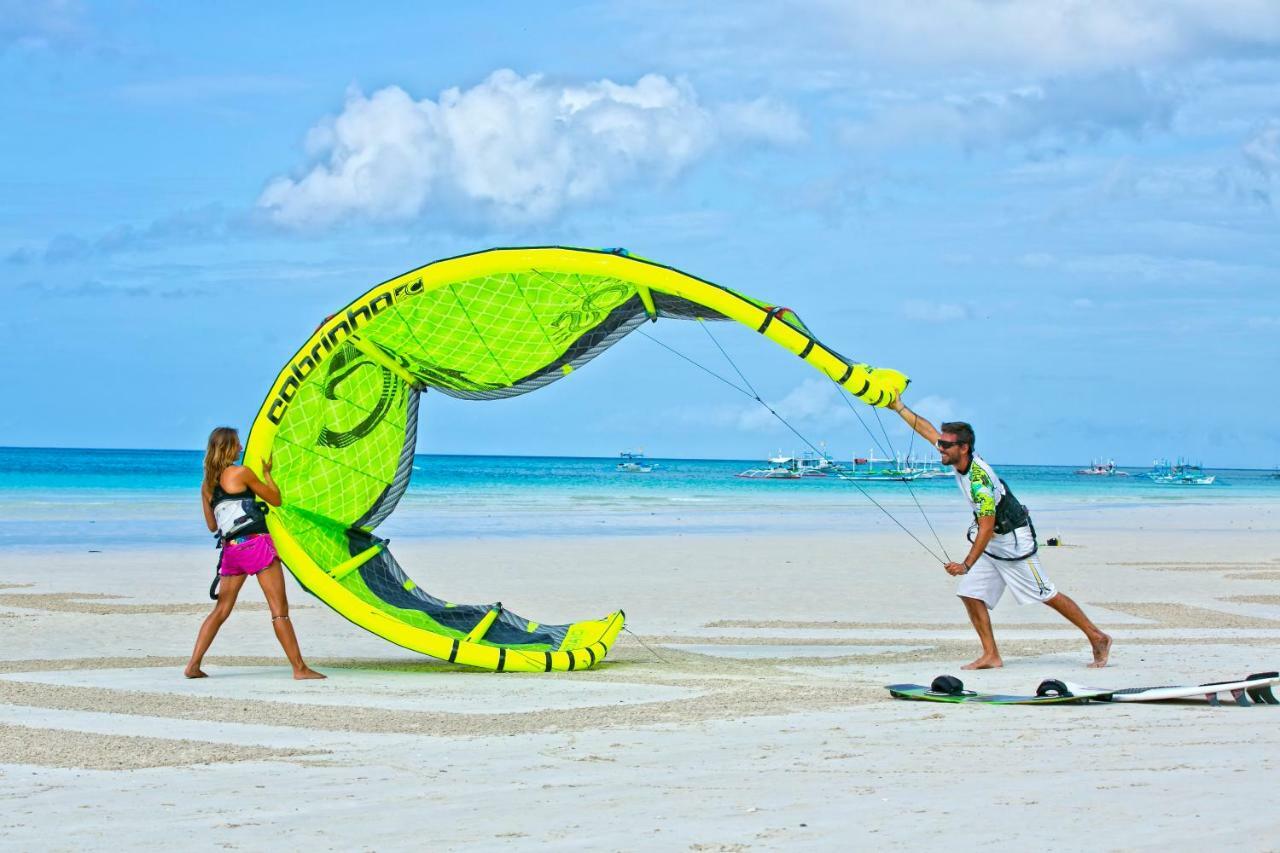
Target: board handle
x,y
1053,687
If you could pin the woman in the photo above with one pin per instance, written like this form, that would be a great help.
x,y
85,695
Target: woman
x,y
228,496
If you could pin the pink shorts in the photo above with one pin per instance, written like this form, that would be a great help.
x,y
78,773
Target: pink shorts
x,y
247,556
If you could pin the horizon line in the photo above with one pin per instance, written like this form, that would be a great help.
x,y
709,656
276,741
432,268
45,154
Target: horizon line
x,y
562,456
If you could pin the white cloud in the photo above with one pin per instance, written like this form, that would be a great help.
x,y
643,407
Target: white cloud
x,y
832,197
1055,36
40,24
937,409
516,149
1132,268
1042,37
810,406
1262,150
1046,116
763,119
202,225
1196,200
924,311
1262,153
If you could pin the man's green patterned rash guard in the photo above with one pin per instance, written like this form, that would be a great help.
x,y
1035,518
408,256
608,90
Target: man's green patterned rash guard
x,y
981,488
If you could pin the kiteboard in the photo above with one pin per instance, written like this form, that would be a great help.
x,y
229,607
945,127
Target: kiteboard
x,y
947,688
1251,690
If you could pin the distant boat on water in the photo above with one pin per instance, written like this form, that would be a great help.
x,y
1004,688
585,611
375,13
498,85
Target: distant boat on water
x,y
1180,473
902,469
794,467
630,465
929,468
1098,468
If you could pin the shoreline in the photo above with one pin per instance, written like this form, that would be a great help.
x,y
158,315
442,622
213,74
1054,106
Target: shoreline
x,y
125,529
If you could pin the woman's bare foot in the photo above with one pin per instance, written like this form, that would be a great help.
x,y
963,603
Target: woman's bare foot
x,y
306,673
1101,651
985,662
194,672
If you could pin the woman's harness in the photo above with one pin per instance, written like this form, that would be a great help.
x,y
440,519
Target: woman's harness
x,y
238,515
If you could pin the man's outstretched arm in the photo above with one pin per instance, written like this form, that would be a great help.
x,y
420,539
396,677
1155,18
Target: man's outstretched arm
x,y
916,422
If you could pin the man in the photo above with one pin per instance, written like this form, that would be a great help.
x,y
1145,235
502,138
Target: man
x,y
1003,553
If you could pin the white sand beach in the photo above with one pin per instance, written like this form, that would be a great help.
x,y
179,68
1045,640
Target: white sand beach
x,y
752,717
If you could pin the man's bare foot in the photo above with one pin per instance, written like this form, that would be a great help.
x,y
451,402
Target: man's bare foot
x,y
306,673
194,672
985,662
1101,651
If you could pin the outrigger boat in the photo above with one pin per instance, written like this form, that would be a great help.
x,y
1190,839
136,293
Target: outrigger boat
x,y
902,469
929,468
780,467
1180,473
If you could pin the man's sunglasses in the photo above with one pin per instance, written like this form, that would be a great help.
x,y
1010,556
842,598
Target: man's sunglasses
x,y
943,445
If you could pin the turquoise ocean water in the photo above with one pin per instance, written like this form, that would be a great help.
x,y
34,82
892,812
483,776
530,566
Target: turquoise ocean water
x,y
98,498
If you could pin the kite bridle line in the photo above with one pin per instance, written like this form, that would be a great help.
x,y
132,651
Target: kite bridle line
x,y
910,444
756,397
893,452
643,643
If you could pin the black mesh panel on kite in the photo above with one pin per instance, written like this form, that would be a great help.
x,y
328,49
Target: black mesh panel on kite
x,y
383,577
386,502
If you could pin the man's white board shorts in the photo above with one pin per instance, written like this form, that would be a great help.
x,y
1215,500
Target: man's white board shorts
x,y
988,578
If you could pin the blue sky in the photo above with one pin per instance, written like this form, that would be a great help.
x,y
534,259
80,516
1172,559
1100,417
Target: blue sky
x,y
1059,218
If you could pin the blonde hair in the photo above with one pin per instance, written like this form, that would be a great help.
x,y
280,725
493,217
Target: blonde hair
x,y
219,455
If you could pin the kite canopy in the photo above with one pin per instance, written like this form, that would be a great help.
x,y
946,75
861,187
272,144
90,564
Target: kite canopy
x,y
340,421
